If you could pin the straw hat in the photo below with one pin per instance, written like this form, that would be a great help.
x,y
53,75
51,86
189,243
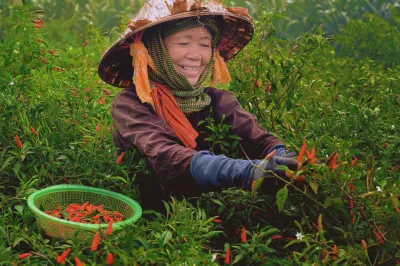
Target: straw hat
x,y
236,31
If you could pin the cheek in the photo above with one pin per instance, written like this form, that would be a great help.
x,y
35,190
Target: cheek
x,y
207,57
175,54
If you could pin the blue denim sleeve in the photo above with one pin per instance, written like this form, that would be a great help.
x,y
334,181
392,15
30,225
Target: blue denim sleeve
x,y
212,171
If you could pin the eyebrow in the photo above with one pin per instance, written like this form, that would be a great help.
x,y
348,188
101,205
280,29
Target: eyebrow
x,y
191,36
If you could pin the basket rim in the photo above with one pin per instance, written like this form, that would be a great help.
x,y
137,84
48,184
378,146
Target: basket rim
x,y
81,188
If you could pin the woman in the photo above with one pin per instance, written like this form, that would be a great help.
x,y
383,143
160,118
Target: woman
x,y
162,61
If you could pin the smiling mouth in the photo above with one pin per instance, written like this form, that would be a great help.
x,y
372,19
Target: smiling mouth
x,y
189,68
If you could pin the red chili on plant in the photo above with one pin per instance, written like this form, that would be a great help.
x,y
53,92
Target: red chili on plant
x,y
77,261
217,221
63,256
110,259
24,255
18,141
244,235
302,151
119,159
353,162
332,163
34,131
228,256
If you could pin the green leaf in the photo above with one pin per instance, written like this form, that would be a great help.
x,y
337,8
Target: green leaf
x,y
19,208
19,239
281,197
257,184
314,187
238,258
217,202
166,237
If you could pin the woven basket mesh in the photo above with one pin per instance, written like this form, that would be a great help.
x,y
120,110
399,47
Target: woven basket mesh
x,y
55,227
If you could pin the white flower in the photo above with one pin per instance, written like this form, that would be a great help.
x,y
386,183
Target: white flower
x,y
12,83
214,257
393,127
299,236
379,189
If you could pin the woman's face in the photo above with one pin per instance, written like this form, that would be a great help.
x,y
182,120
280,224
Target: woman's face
x,y
190,51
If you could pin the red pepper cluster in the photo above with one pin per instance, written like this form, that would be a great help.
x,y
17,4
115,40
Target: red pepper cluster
x,y
86,213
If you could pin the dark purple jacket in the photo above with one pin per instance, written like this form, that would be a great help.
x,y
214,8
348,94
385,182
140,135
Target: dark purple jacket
x,y
139,126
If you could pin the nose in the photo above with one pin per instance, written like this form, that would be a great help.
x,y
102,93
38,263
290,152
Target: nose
x,y
193,55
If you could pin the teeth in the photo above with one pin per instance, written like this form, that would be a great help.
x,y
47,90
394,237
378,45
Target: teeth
x,y
189,68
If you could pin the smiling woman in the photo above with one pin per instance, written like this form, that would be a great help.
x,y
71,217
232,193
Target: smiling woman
x,y
190,51
174,47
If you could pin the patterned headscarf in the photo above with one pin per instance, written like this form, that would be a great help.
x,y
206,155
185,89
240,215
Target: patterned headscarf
x,y
189,98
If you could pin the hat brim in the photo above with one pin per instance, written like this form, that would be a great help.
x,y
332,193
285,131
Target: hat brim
x,y
236,31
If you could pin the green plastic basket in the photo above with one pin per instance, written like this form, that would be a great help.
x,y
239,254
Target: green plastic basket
x,y
63,195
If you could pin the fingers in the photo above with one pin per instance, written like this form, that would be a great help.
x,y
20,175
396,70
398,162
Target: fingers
x,y
292,164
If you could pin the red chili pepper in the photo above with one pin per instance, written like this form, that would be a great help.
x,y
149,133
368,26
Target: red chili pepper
x,y
335,253
24,255
302,151
18,141
312,155
217,221
351,204
63,256
332,163
271,155
34,131
353,162
97,127
52,52
351,185
268,88
85,44
95,241
119,159
44,61
101,100
77,261
109,228
37,24
107,92
276,237
110,259
244,235
228,256
379,238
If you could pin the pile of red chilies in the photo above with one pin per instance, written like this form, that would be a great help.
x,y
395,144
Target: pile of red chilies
x,y
86,213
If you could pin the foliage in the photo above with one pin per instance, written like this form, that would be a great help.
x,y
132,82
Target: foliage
x,y
52,99
373,37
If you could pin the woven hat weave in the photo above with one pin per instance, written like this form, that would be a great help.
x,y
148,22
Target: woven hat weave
x,y
235,25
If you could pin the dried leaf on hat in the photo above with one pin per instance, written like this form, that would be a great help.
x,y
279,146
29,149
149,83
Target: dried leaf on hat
x,y
239,11
196,5
177,7
133,25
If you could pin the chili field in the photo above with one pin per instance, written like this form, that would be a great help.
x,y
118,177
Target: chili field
x,y
332,96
